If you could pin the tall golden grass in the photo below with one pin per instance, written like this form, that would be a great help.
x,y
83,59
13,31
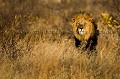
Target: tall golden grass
x,y
36,42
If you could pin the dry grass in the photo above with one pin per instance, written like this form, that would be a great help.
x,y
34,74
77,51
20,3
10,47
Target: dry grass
x,y
36,41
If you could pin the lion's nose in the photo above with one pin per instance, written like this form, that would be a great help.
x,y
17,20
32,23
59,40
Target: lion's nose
x,y
81,26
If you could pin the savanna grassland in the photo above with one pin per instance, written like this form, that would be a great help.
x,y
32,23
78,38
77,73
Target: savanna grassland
x,y
37,42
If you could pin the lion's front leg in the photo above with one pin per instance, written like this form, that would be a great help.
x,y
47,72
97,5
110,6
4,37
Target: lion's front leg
x,y
77,42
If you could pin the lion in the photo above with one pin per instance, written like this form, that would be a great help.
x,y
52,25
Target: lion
x,y
84,30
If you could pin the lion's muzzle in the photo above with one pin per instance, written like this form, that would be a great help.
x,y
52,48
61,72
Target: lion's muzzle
x,y
80,30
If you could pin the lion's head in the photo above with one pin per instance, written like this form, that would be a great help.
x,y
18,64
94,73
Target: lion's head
x,y
83,27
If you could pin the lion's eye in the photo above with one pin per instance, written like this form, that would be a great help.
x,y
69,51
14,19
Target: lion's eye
x,y
85,24
77,24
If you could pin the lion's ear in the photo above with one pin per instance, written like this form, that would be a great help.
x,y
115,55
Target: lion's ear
x,y
73,20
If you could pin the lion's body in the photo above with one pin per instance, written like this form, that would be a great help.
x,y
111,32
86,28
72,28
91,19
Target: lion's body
x,y
83,27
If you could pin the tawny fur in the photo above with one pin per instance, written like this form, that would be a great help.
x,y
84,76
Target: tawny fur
x,y
88,26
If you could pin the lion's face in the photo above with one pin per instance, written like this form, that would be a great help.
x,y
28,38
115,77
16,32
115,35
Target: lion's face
x,y
83,27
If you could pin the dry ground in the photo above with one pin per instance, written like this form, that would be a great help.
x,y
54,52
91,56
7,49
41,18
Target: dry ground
x,y
36,40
